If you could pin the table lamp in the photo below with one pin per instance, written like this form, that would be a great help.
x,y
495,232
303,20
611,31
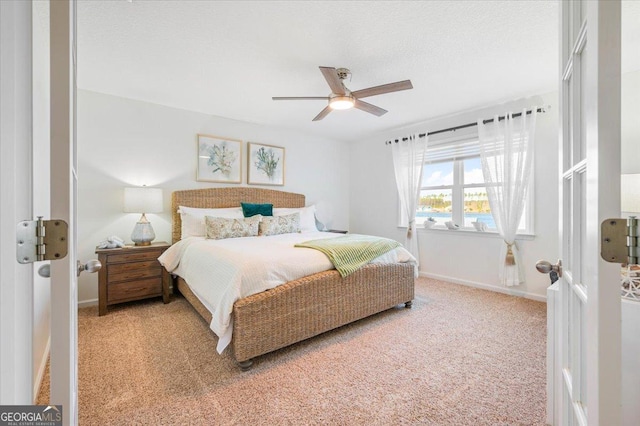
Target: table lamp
x,y
143,200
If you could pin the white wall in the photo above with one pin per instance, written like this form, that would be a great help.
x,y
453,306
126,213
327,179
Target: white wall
x,y
122,142
463,257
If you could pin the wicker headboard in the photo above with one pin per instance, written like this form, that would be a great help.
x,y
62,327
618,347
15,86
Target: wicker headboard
x,y
227,197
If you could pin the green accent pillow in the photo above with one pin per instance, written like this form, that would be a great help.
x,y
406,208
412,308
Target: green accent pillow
x,y
249,209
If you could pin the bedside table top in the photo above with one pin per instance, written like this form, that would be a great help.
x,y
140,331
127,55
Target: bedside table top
x,y
131,247
336,231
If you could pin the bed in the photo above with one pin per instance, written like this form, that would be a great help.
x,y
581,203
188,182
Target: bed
x,y
298,309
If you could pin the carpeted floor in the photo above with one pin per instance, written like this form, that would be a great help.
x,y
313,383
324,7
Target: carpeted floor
x,y
460,356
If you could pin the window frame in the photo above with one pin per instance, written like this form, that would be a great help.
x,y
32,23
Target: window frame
x,y
457,192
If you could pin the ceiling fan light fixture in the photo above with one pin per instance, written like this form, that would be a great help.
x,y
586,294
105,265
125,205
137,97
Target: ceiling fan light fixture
x,y
342,102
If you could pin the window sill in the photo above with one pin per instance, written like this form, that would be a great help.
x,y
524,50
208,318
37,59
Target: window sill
x,y
471,232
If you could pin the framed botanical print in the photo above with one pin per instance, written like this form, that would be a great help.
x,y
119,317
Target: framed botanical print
x,y
265,164
219,159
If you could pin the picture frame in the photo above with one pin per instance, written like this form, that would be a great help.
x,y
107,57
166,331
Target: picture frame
x,y
219,159
265,164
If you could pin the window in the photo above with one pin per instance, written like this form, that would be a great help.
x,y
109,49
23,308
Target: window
x,y
436,193
453,188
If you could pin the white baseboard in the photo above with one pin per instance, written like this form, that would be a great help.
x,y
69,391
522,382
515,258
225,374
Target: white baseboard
x,y
85,303
490,287
40,374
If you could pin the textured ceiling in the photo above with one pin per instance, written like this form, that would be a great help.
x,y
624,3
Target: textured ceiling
x,y
229,58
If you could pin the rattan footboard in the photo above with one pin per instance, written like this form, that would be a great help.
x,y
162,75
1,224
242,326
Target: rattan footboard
x,y
312,305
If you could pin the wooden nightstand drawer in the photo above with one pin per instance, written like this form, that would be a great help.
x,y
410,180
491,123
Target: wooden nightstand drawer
x,y
131,256
134,290
132,271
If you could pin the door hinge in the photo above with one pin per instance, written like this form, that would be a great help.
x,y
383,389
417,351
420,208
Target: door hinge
x,y
41,240
619,240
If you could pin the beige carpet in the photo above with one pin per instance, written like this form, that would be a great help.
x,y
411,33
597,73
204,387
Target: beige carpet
x,y
460,356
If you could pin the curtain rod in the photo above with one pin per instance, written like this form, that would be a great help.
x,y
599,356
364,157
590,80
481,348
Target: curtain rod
x,y
464,126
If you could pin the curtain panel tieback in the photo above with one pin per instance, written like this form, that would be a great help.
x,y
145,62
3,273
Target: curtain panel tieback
x,y
510,259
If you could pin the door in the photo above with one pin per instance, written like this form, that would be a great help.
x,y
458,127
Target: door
x,y
64,282
587,377
16,154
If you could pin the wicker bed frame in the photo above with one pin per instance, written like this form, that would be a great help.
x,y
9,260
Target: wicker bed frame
x,y
299,309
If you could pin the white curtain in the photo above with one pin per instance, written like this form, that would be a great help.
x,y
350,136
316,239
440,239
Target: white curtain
x,y
506,152
408,161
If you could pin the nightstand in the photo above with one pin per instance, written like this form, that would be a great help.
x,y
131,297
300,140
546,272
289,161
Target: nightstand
x,y
131,273
336,231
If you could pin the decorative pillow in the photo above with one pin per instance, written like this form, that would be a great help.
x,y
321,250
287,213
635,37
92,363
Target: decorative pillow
x,y
192,219
307,216
219,228
249,209
274,225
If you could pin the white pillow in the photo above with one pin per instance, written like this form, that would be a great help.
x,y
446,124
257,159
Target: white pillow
x,y
307,217
192,219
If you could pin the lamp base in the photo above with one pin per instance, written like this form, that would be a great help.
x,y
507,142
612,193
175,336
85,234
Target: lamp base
x,y
143,233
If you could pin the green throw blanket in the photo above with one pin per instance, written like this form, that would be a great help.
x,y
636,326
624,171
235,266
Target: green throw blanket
x,y
350,252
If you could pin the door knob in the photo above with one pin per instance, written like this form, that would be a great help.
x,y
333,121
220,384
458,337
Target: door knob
x,y
93,265
45,271
546,267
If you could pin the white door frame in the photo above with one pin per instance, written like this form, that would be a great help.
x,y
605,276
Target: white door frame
x,y
64,282
604,380
41,191
16,280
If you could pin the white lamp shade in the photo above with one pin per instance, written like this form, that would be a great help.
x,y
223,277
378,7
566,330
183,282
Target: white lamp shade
x,y
143,200
630,193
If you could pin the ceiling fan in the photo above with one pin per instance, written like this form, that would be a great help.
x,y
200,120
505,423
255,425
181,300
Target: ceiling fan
x,y
342,98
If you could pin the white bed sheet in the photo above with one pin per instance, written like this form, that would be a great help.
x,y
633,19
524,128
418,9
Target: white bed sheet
x,y
219,272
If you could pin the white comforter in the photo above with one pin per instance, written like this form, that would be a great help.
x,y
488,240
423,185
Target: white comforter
x,y
220,272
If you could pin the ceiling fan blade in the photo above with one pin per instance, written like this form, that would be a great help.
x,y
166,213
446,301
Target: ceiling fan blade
x,y
385,88
299,98
322,114
330,74
364,106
